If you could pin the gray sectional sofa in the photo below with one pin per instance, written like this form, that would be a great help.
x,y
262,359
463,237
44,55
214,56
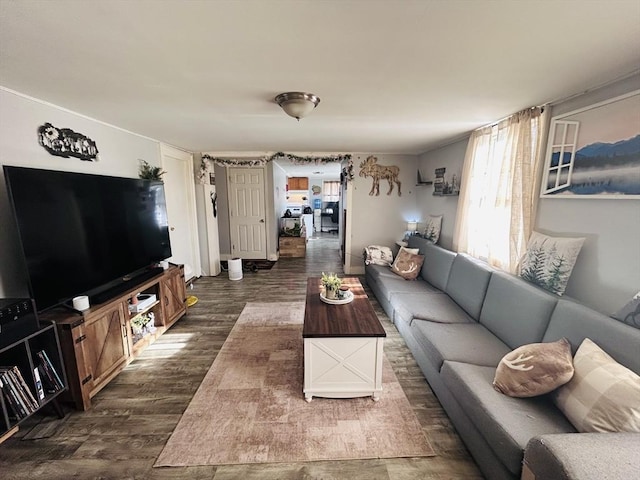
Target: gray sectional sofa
x,y
459,318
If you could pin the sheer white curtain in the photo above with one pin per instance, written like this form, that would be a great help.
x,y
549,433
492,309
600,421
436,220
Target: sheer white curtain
x,y
498,194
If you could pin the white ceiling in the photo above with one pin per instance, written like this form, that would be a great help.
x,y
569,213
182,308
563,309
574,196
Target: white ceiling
x,y
393,76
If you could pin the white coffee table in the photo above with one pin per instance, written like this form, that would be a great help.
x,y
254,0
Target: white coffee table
x,y
343,345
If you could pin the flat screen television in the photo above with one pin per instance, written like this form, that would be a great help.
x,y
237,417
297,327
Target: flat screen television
x,y
86,234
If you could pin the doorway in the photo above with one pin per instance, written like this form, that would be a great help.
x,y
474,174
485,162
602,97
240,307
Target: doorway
x,y
181,209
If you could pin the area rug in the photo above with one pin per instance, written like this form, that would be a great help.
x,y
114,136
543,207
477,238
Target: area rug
x,y
250,407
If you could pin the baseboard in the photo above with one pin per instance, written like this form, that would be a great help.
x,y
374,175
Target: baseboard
x,y
354,270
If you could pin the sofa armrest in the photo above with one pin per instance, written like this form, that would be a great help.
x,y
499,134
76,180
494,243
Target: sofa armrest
x,y
582,456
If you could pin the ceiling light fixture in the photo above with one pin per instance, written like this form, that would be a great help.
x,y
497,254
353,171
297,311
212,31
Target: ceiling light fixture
x,y
297,104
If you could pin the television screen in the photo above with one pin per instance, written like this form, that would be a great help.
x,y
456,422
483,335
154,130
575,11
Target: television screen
x,y
82,232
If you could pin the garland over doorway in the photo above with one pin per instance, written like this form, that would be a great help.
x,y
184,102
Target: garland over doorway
x,y
208,161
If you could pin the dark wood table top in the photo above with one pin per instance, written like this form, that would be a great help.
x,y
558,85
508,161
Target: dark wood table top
x,y
355,319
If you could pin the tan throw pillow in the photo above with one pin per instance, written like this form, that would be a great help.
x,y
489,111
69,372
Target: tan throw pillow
x,y
407,264
534,369
404,249
602,396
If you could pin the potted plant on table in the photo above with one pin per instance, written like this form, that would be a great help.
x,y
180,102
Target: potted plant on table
x,y
331,284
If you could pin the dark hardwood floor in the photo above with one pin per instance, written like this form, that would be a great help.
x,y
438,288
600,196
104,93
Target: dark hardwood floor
x,y
132,418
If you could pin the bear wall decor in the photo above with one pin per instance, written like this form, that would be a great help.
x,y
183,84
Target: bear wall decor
x,y
64,142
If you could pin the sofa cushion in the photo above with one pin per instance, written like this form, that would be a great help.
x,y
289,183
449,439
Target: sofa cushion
x,y
576,322
391,286
516,311
534,369
462,342
376,271
435,307
437,262
506,422
468,283
602,396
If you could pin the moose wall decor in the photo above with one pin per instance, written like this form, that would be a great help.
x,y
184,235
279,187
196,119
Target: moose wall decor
x,y
371,168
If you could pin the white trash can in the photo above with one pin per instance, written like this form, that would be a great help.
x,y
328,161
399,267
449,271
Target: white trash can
x,y
235,269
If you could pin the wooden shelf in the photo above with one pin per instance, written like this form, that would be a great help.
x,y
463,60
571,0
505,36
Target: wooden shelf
x,y
98,343
420,181
13,430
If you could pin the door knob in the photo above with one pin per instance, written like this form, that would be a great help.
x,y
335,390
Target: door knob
x,y
262,220
172,229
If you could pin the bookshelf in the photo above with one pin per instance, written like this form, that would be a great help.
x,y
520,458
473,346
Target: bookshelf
x,y
32,375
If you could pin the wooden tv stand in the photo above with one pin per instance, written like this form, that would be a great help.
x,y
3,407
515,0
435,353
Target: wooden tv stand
x,y
99,342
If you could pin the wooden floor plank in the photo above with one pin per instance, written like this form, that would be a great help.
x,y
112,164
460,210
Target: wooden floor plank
x,y
131,418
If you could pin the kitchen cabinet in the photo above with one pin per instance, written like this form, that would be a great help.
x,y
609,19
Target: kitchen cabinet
x,y
298,183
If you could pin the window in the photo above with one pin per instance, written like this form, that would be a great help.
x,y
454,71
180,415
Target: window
x,y
331,191
498,191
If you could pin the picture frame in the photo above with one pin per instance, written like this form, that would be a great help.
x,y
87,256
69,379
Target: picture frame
x,y
594,152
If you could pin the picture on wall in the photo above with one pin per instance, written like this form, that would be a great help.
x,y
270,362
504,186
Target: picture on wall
x,y
64,142
594,152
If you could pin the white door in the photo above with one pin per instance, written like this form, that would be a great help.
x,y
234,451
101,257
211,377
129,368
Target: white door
x,y
247,213
181,209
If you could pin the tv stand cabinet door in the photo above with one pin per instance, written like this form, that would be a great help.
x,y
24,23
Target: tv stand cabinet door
x,y
106,348
174,295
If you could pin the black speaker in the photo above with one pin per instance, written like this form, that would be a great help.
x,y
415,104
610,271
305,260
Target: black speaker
x,y
18,319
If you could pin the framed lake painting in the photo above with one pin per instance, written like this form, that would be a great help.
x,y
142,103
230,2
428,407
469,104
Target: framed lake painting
x,y
594,152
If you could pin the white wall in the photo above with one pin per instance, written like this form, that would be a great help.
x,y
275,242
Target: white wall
x,y
273,193
607,272
380,220
20,117
316,181
223,212
452,158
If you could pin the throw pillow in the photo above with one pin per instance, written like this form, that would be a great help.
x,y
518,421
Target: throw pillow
x,y
407,264
413,251
602,396
378,255
630,313
549,261
534,369
432,228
